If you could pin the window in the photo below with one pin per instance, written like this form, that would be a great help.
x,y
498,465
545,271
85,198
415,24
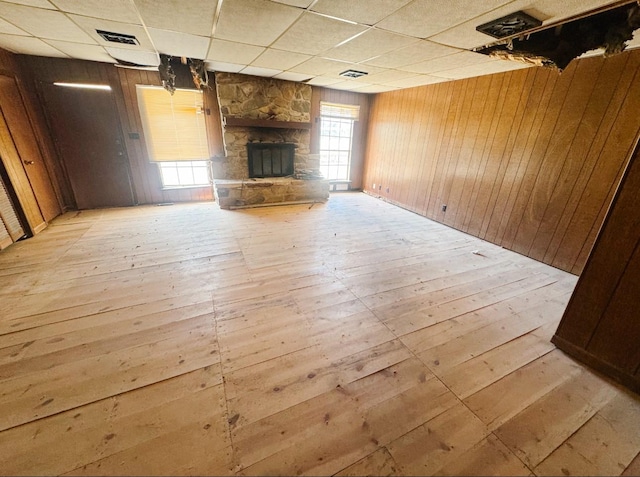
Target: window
x,y
336,136
184,173
175,134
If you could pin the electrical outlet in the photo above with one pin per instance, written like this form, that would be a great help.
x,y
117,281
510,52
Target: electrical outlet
x,y
387,190
444,207
374,186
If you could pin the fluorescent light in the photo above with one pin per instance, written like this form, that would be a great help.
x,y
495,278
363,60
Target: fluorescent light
x,y
104,87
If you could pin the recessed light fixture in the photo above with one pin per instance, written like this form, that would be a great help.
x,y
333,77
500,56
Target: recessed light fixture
x,y
103,87
353,73
512,24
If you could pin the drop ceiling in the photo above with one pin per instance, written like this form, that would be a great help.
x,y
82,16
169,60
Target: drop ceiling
x,y
399,43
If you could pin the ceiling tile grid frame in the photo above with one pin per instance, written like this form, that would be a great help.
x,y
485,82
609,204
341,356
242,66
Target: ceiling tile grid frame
x,y
399,43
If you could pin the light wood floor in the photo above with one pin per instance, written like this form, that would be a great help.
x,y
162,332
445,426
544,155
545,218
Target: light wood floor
x,y
351,337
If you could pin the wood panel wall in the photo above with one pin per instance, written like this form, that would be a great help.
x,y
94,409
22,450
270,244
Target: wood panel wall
x,y
601,324
359,130
527,159
145,175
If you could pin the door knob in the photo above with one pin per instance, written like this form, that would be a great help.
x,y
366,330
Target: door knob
x,y
29,163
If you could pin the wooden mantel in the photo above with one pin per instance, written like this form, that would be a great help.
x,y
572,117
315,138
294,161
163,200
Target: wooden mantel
x,y
265,123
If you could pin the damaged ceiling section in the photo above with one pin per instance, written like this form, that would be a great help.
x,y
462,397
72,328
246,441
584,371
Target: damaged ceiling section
x,y
556,46
171,67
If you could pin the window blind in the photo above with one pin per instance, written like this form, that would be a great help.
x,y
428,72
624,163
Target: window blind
x,y
335,110
173,125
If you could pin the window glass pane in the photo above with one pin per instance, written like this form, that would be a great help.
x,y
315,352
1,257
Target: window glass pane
x,y
184,173
169,175
335,147
200,175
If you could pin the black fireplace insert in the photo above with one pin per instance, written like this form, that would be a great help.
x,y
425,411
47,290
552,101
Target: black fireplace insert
x,y
270,159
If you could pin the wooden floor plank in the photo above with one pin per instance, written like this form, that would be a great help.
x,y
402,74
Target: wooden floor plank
x,y
605,445
438,443
379,462
488,457
502,400
291,340
78,437
534,433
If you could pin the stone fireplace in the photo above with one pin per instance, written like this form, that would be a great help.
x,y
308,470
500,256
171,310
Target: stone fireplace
x,y
269,117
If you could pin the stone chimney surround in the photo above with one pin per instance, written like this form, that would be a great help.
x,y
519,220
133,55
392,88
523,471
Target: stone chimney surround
x,y
265,110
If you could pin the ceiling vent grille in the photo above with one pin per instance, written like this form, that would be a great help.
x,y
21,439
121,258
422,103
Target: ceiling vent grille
x,y
121,38
353,73
511,24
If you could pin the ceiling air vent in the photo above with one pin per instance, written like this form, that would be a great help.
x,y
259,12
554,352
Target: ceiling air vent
x,y
122,38
353,73
511,24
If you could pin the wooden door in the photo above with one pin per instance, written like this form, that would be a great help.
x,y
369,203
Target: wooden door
x,y
21,130
86,128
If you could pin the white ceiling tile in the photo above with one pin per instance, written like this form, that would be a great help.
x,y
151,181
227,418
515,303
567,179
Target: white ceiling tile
x,y
323,81
376,88
35,3
420,51
116,10
221,66
414,81
179,44
289,76
492,67
348,85
28,45
449,62
82,52
233,52
319,66
257,22
146,58
424,18
313,34
90,25
371,43
255,71
295,3
279,59
549,10
195,18
47,24
8,28
388,75
368,12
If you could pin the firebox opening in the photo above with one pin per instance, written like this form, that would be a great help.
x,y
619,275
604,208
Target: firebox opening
x,y
270,159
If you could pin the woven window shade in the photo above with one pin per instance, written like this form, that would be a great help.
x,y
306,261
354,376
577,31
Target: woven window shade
x,y
173,125
335,110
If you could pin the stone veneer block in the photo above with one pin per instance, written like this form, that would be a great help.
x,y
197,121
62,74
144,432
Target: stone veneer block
x,y
233,194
